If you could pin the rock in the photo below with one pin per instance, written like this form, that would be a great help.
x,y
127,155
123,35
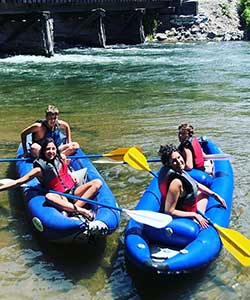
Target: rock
x,y
161,36
216,20
195,29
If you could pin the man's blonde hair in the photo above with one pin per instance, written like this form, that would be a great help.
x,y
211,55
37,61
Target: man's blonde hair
x,y
51,110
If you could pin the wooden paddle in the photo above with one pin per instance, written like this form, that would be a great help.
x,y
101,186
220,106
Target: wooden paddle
x,y
236,243
154,219
116,154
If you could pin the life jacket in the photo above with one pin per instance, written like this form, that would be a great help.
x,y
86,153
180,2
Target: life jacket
x,y
187,202
55,134
55,175
193,144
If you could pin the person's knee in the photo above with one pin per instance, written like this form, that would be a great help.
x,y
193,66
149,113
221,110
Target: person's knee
x,y
97,183
50,197
75,146
35,149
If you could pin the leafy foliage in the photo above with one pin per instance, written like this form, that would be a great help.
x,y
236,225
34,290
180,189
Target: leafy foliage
x,y
245,13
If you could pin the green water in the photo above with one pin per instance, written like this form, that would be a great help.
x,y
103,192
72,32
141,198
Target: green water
x,y
114,97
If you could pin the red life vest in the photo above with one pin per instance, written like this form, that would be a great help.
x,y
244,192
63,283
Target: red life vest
x,y
186,203
197,153
55,176
193,144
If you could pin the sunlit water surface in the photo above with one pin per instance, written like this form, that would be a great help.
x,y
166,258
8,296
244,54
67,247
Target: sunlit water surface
x,y
114,97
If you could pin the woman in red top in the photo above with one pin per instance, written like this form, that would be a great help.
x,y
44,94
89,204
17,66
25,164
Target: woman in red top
x,y
53,173
182,196
191,150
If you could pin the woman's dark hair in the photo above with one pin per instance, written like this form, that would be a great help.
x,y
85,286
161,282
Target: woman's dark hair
x,y
186,127
44,146
165,152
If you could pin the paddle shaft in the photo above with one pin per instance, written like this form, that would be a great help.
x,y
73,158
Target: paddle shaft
x,y
74,197
213,156
153,219
217,156
155,160
207,218
116,154
70,157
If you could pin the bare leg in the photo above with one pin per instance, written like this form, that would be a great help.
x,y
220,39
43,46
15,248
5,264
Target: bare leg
x,y
202,202
70,148
87,190
63,204
35,149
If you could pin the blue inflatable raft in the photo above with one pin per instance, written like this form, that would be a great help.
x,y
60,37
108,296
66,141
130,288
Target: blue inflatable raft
x,y
50,223
181,247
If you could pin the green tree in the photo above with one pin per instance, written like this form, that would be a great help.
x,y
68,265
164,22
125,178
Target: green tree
x,y
245,14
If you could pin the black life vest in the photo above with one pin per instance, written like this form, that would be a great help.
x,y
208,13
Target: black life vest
x,y
187,202
55,175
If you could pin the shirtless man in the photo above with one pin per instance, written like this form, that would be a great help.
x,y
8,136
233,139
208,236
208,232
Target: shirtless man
x,y
50,127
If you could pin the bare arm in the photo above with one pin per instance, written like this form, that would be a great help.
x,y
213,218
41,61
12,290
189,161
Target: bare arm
x,y
65,126
30,129
211,193
172,198
188,159
15,183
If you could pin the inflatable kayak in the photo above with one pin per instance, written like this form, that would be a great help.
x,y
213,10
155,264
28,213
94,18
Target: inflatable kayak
x,y
182,246
50,223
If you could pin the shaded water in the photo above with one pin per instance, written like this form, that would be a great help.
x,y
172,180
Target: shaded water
x,y
114,97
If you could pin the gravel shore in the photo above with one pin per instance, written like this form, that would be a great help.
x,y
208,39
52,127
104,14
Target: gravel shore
x,y
216,20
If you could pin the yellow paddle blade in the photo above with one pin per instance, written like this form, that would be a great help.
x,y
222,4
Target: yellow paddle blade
x,y
235,239
136,159
236,252
118,153
241,257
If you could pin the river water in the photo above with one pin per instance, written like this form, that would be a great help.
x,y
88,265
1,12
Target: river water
x,y
114,97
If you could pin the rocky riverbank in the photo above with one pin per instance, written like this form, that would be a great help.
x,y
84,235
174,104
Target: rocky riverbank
x,y
216,20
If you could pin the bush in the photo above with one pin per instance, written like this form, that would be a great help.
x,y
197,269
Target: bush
x,y
245,13
244,4
246,16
